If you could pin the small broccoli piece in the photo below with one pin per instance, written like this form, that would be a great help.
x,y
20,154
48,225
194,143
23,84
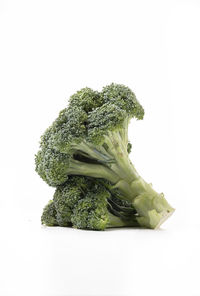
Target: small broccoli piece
x,y
129,147
95,211
90,138
85,203
91,211
49,214
67,196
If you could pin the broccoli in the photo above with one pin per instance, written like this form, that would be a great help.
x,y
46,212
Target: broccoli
x,y
90,138
49,215
85,203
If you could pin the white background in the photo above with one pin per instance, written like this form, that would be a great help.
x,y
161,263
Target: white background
x,y
50,49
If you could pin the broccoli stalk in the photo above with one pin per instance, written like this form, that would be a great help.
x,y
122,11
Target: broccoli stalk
x,y
115,222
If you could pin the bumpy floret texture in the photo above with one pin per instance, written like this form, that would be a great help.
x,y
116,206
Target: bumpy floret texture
x,y
49,214
86,203
88,118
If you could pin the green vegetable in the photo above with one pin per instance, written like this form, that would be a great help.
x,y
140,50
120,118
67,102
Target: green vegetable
x,y
49,214
86,203
90,138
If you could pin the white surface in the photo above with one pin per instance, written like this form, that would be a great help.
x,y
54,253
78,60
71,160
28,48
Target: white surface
x,y
61,261
50,49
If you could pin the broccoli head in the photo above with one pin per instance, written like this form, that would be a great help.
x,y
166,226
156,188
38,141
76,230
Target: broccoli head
x,y
90,138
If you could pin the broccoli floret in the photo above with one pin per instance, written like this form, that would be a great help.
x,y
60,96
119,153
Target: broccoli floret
x,y
49,214
67,196
85,203
90,138
96,211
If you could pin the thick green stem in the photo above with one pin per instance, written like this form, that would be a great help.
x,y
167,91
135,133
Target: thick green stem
x,y
152,207
124,132
153,210
77,167
121,209
118,149
115,221
89,150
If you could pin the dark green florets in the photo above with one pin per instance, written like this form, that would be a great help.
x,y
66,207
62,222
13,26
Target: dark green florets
x,y
86,99
86,203
69,128
81,128
124,98
49,215
129,147
52,166
66,198
105,118
71,131
81,202
91,212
